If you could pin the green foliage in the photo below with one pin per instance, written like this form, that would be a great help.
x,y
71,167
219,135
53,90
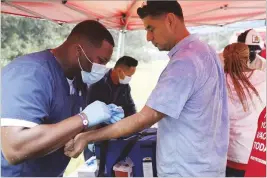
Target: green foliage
x,y
20,35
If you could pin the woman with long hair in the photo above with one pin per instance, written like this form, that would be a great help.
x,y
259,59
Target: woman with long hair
x,y
246,99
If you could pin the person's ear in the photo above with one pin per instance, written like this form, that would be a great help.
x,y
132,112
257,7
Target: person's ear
x,y
170,18
78,50
120,71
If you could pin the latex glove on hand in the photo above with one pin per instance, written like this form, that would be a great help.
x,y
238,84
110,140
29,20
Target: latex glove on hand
x,y
96,113
117,113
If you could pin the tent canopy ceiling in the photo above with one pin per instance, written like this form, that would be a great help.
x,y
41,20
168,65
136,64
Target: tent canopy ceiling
x,y
122,14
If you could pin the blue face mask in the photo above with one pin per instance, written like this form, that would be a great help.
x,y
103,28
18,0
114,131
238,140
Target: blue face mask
x,y
97,72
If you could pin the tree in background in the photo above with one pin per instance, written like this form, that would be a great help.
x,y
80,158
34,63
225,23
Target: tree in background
x,y
20,35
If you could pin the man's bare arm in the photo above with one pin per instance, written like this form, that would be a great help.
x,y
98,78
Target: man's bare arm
x,y
132,124
20,143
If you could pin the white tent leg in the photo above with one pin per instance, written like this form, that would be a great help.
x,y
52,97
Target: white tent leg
x,y
123,43
120,49
119,45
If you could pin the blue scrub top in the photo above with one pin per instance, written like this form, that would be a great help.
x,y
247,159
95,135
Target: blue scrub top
x,y
35,91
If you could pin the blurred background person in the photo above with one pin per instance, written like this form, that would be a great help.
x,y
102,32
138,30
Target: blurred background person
x,y
256,49
114,88
247,98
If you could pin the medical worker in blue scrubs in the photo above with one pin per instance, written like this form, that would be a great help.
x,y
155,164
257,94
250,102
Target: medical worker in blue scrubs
x,y
43,101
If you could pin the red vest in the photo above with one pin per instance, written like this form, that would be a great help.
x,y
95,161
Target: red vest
x,y
257,161
263,53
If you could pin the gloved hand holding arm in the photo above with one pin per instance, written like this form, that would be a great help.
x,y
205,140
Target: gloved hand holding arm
x,y
132,124
96,113
43,139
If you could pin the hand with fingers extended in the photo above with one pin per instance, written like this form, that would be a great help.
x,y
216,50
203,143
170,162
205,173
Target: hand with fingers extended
x,y
75,146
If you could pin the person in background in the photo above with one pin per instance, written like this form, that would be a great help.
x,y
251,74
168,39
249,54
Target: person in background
x,y
114,88
247,98
255,44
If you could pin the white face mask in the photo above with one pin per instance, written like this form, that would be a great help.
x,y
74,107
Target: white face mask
x,y
259,63
97,72
126,79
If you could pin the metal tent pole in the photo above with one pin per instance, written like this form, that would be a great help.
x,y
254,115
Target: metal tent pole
x,y
123,43
119,45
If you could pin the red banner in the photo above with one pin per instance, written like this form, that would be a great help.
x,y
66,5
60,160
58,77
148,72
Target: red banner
x,y
257,160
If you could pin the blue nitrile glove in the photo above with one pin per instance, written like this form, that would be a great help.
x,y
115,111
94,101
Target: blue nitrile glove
x,y
117,113
97,112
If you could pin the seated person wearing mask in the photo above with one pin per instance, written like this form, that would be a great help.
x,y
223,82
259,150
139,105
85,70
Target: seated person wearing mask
x,y
114,88
254,42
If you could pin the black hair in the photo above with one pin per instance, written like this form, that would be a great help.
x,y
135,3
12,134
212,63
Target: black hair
x,y
126,61
93,31
242,37
157,8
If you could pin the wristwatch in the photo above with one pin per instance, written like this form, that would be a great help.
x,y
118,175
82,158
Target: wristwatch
x,y
84,120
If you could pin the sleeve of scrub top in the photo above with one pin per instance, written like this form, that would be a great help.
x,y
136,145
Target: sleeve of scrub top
x,y
174,88
26,96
